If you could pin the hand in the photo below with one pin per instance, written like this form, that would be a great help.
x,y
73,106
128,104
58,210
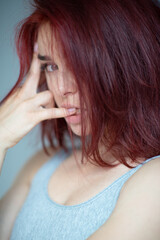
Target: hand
x,y
23,109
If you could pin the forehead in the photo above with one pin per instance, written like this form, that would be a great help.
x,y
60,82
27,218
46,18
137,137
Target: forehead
x,y
47,42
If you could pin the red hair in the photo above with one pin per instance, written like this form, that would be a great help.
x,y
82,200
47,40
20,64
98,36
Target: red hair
x,y
112,47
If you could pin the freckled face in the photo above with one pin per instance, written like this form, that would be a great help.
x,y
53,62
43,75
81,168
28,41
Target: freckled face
x,y
60,81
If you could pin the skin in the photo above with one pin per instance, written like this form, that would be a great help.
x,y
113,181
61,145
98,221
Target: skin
x,y
60,81
27,104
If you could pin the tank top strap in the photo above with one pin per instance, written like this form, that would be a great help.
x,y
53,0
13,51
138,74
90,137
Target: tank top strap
x,y
149,159
128,174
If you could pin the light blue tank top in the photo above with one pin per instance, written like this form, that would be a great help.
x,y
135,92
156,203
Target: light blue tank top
x,y
40,218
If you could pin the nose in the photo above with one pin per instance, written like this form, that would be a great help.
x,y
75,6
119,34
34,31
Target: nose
x,y
66,84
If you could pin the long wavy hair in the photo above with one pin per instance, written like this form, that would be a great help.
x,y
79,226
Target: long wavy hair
x,y
112,47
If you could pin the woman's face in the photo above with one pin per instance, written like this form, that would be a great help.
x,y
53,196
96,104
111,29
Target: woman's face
x,y
59,80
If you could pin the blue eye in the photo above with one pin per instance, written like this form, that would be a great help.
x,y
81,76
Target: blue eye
x,y
49,67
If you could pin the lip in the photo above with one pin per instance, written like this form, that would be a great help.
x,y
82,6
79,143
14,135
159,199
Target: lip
x,y
74,119
69,106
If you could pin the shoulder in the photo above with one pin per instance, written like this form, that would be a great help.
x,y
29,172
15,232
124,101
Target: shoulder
x,y
137,212
147,177
143,187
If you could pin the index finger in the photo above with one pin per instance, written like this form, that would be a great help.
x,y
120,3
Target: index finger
x,y
32,80
51,113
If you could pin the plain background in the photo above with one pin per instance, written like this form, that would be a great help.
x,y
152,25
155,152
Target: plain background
x,y
11,12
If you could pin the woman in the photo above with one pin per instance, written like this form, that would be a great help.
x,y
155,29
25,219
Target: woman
x,y
93,76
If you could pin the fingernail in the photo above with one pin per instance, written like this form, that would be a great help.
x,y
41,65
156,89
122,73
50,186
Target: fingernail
x,y
36,47
71,110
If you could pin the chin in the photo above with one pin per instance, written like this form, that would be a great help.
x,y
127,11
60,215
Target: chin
x,y
76,129
75,124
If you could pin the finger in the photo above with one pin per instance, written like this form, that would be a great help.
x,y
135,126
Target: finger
x,y
44,98
16,91
51,104
32,80
52,113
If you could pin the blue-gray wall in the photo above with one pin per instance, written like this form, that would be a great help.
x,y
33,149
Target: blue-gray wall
x,y
11,12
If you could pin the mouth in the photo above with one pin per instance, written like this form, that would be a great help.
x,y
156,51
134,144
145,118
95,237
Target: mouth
x,y
75,118
78,111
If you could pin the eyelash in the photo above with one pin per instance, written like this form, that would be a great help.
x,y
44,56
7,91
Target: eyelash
x,y
44,67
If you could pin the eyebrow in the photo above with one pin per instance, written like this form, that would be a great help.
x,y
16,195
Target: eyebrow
x,y
44,58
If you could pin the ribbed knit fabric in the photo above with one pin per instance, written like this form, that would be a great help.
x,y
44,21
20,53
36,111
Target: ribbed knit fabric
x,y
40,218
